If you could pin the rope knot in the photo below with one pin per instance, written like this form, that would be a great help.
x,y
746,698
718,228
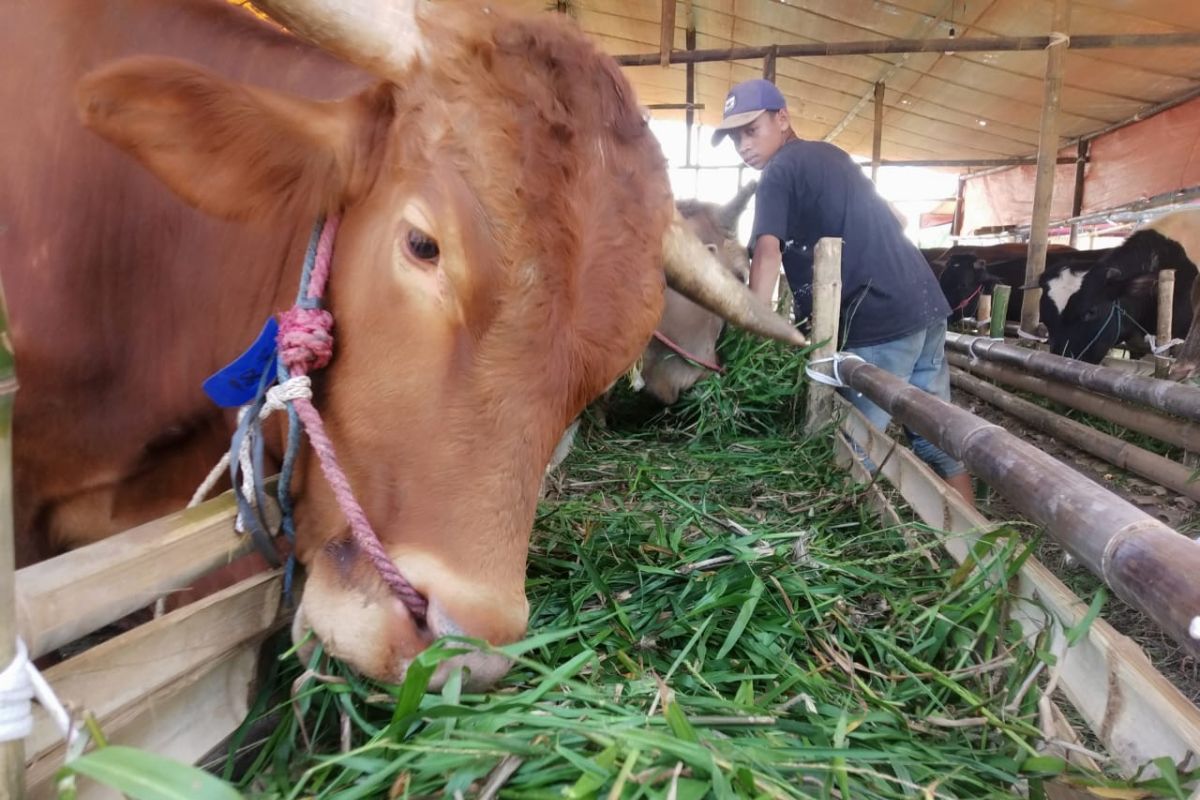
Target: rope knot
x,y
305,339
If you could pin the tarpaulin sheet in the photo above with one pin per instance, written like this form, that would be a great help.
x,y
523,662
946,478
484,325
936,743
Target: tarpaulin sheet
x,y
1006,198
1146,159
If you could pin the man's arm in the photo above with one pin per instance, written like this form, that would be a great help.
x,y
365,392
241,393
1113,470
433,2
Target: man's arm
x,y
765,266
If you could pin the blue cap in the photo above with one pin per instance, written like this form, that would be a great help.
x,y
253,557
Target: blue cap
x,y
745,102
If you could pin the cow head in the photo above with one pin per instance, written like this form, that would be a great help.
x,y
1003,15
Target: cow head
x,y
1082,323
506,220
964,278
691,327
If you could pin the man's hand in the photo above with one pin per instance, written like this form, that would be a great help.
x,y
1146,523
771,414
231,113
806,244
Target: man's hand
x,y
765,266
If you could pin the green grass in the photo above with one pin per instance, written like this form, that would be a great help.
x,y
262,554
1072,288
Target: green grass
x,y
714,613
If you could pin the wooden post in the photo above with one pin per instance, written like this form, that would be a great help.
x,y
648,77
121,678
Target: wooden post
x,y
956,223
983,314
1082,152
1043,192
690,114
769,63
666,33
877,139
12,754
1166,306
827,309
1000,295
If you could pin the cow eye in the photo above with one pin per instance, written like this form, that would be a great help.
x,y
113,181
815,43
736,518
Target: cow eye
x,y
712,248
422,246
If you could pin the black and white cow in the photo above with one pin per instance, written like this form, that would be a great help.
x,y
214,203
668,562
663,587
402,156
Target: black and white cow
x,y
1090,308
967,275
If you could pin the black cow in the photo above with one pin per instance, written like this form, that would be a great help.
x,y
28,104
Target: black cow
x,y
1089,311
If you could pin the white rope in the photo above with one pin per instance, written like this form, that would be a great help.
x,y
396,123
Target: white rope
x,y
834,379
278,396
1057,38
20,683
1159,349
1031,337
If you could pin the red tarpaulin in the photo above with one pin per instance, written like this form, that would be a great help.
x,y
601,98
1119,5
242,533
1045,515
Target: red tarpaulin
x,y
1148,158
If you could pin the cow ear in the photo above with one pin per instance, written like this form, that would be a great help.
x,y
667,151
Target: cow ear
x,y
232,150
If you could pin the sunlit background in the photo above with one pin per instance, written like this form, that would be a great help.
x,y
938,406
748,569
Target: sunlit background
x,y
912,190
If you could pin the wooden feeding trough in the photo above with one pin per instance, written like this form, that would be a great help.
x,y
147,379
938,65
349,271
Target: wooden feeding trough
x,y
1129,706
178,684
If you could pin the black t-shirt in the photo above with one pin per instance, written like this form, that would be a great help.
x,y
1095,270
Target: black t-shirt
x,y
809,190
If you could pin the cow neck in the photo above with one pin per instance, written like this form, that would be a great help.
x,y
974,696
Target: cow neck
x,y
305,344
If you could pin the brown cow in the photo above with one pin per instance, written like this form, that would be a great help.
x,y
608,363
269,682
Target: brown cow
x,y
685,342
505,217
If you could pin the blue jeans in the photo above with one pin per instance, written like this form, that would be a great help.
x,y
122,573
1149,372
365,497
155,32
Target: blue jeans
x,y
920,359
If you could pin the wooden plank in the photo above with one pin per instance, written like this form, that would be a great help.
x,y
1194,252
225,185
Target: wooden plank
x,y
115,678
184,720
1131,707
76,593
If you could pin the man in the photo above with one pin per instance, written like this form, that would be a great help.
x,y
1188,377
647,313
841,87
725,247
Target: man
x,y
893,311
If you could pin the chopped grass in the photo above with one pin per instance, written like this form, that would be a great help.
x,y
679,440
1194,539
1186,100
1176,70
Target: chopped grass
x,y
714,613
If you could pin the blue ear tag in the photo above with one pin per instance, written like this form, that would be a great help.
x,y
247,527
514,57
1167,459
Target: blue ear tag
x,y
237,383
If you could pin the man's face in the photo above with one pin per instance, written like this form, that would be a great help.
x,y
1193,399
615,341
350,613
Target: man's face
x,y
759,140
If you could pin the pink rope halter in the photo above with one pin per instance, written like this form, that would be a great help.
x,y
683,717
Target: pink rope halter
x,y
306,344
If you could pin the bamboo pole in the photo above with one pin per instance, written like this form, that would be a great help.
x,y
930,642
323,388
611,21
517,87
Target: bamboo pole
x,y
827,309
1136,712
983,313
969,44
1173,398
1147,564
12,754
877,136
1000,297
1166,309
1124,455
1043,188
1171,430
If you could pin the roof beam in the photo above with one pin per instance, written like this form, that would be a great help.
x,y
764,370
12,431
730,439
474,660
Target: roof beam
x,y
885,76
981,44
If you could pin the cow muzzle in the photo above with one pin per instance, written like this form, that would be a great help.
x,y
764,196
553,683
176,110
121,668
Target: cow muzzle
x,y
360,622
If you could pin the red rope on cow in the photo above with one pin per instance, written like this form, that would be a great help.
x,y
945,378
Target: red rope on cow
x,y
305,344
662,337
967,302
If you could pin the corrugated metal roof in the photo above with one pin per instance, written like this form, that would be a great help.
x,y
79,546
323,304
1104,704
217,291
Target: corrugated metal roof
x,y
937,106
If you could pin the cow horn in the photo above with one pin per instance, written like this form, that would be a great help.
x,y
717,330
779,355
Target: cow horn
x,y
382,38
695,273
728,216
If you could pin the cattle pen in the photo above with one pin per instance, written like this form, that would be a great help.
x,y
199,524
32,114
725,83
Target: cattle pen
x,y
703,645
1105,676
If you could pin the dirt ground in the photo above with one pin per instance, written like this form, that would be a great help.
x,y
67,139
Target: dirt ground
x,y
1181,513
